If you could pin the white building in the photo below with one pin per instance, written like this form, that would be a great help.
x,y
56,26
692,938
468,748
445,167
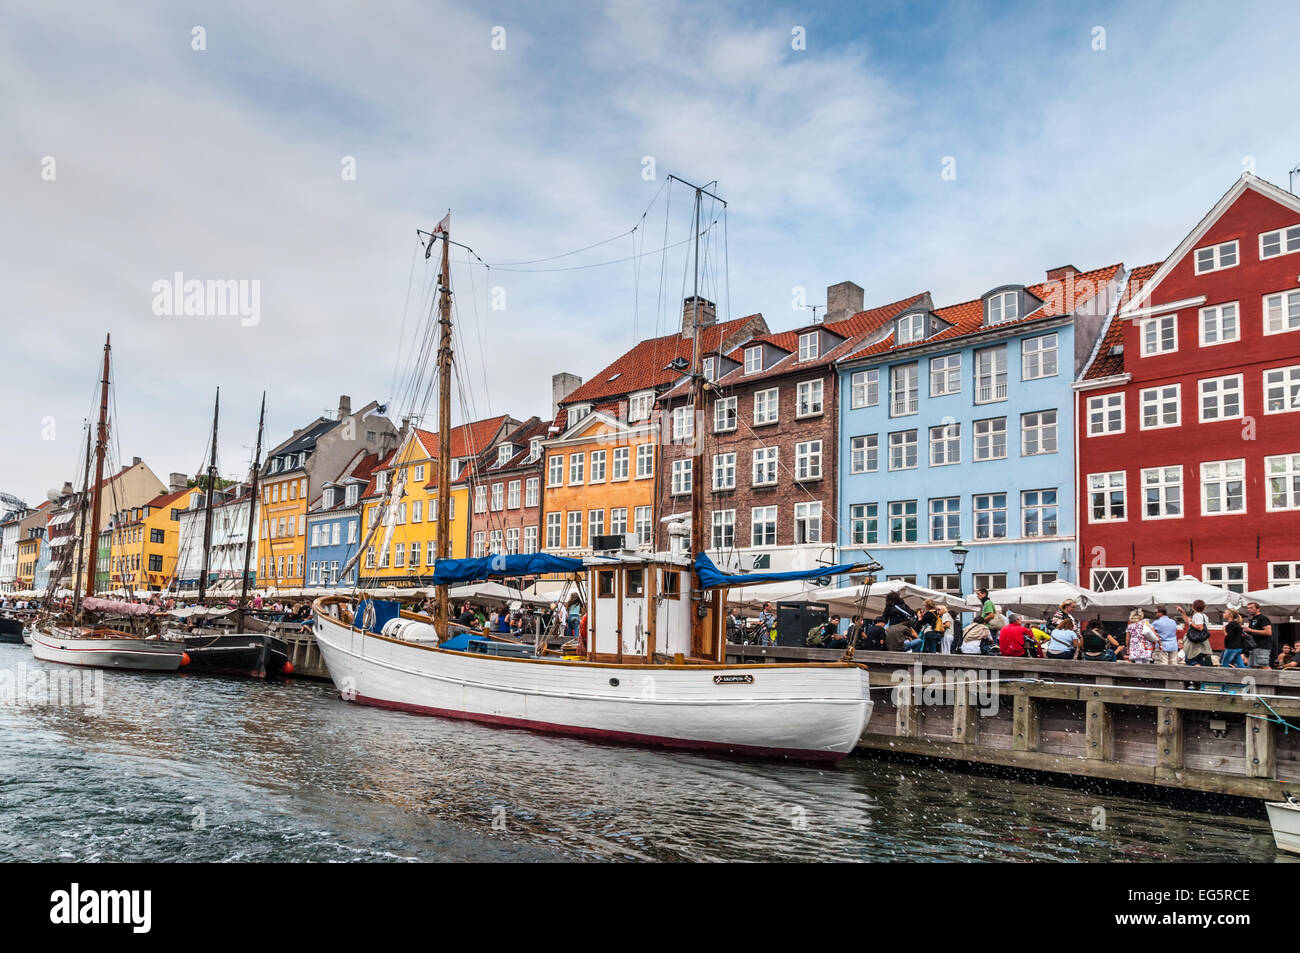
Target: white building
x,y
230,515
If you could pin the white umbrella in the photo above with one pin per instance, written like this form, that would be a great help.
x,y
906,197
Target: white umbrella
x,y
493,591
1044,595
773,592
1179,592
1280,599
847,598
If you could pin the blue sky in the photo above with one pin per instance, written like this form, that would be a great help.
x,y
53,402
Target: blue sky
x,y
225,163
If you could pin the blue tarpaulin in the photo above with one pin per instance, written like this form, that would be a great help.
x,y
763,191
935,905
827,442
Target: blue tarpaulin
x,y
711,577
385,610
454,572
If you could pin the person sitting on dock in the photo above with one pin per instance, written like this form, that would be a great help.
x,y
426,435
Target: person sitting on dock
x,y
1064,641
978,640
1098,645
874,638
1012,637
901,635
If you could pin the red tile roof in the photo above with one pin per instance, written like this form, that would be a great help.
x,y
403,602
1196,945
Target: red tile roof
x,y
467,440
1104,363
166,499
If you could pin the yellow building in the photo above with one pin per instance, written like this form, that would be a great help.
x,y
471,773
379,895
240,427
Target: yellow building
x,y
283,543
29,553
145,542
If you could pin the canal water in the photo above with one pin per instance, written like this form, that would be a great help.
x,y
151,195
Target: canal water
x,y
154,768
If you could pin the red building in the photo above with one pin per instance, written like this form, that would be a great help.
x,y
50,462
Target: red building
x,y
1189,411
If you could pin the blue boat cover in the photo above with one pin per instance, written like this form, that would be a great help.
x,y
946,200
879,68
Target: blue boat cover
x,y
453,572
711,577
460,642
385,610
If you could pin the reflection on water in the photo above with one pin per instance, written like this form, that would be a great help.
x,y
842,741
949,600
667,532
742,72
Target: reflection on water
x,y
202,769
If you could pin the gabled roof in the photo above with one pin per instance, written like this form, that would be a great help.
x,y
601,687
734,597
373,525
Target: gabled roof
x,y
1104,363
306,439
1059,297
521,438
1247,181
645,366
467,440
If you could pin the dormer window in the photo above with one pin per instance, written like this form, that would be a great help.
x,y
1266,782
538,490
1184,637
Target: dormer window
x,y
911,327
753,360
353,492
710,366
534,449
504,453
456,467
809,346
639,406
1002,307
327,498
381,481
578,411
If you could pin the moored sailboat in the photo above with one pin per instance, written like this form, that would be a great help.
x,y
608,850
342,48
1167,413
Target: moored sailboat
x,y
654,671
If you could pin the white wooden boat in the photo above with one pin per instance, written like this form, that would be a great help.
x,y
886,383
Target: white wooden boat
x,y
1284,816
107,648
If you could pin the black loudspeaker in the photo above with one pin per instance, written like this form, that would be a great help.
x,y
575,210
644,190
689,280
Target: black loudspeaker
x,y
794,619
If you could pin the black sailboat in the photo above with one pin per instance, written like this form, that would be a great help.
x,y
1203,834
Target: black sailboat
x,y
217,651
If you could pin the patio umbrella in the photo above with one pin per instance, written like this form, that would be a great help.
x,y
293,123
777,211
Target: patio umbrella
x,y
1280,599
1180,592
845,600
1044,595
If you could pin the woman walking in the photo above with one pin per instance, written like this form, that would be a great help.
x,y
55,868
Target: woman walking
x,y
1233,640
1141,638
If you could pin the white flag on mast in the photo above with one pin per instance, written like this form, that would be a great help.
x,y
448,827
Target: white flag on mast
x,y
443,227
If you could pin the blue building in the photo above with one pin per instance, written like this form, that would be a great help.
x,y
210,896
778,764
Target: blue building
x,y
334,526
957,423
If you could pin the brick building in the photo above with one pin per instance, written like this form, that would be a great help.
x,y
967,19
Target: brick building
x,y
507,479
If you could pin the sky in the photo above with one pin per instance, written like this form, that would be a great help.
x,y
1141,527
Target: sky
x,y
295,148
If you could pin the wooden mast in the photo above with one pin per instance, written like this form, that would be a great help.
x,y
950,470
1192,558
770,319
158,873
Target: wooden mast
x,y
252,517
207,508
441,613
101,446
81,533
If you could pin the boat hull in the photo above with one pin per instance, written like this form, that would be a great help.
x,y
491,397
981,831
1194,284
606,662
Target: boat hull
x,y
1285,820
143,655
243,655
11,630
808,712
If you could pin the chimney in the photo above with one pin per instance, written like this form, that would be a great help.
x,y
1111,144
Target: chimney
x,y
562,385
843,300
177,481
708,315
136,461
345,406
1061,273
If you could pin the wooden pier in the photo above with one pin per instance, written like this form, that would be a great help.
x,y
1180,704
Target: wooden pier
x,y
1188,727
304,653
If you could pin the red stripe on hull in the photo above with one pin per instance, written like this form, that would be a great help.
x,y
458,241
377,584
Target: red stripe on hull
x,y
601,734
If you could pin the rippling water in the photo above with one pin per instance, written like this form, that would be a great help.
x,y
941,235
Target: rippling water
x,y
204,769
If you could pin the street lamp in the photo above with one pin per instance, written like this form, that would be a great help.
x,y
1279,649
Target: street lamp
x,y
959,554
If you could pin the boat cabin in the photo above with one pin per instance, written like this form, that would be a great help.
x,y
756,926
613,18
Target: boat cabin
x,y
641,608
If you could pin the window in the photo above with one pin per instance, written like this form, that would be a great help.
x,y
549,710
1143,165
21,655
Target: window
x,y
352,532
639,406
577,464
808,522
1162,493
578,411
1038,357
765,466
681,477
530,539
315,535
1223,487
155,562
1283,474
480,544
555,471
683,424
643,525
1038,433
864,524
645,461
945,519
381,481
1230,576
1107,580
351,495
417,511
765,407
534,449
762,526
753,360
498,497
991,439
724,471
864,454
618,520
1160,406
990,580
512,495
902,450
552,530
902,521
1155,574
808,460
707,370
945,375
595,525
635,582
809,346
864,387
370,557
480,499
419,474
911,327
574,539
903,399
157,535
1282,390
1283,574
415,554
944,582
1220,398
945,445
618,464
1216,257
1220,324
533,489
991,516
724,529
724,414
991,374
1105,414
399,554
1038,513
1003,307
1160,335
1282,312
1106,496
1282,241
809,403
597,474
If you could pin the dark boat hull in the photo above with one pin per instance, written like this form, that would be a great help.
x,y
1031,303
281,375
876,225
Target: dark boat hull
x,y
244,654
11,630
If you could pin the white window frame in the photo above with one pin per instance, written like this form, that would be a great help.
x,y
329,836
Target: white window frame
x,y
1287,305
513,490
1287,578
1288,241
911,327
1159,398
862,385
1203,264
761,518
899,441
989,437
1222,480
683,423
681,478
1214,318
724,471
1106,406
1097,580
532,492
809,393
864,524
554,531
808,517
1155,340
573,529
1216,574
1041,428
1287,473
1162,485
990,509
754,359
1221,388
766,461
809,346
997,310
991,382
897,511
1111,486
1041,507
1157,574
555,470
577,469
640,406
1045,348
596,467
904,378
645,461
726,414
767,406
618,466
861,450
1287,385
945,375
950,517
808,461
945,442
723,535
